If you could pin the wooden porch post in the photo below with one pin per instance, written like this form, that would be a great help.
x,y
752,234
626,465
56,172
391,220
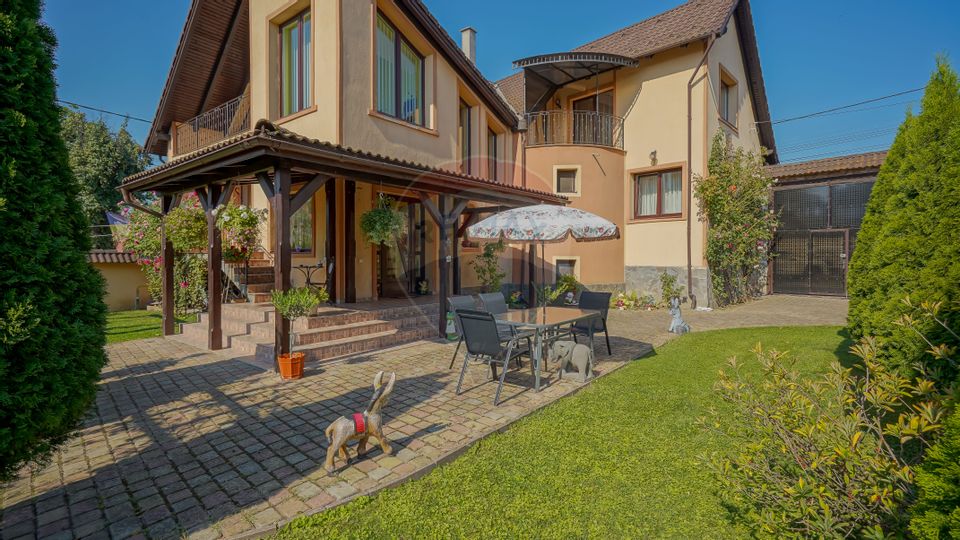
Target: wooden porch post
x,y
281,225
210,198
167,203
444,266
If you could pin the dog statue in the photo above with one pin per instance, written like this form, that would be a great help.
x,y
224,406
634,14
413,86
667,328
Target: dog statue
x,y
677,325
360,426
573,354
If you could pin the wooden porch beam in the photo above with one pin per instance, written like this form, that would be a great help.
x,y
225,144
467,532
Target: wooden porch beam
x,y
307,191
444,264
471,218
265,184
454,215
431,207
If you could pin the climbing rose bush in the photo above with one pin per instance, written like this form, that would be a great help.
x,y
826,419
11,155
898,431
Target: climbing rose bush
x,y
186,226
735,203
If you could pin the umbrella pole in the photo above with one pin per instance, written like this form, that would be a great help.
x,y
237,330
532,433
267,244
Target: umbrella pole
x,y
543,274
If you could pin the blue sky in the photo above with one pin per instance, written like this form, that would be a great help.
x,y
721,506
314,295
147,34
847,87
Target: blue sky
x,y
816,54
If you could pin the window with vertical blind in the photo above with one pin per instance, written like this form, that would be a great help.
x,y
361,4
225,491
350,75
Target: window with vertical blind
x,y
399,69
492,140
296,50
301,229
728,100
658,194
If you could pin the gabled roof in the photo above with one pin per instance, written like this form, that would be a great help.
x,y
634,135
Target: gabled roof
x,y
212,62
833,166
209,68
684,24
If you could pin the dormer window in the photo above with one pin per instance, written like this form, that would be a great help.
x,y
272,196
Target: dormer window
x,y
295,57
399,75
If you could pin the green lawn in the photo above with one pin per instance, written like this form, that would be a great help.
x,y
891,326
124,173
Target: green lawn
x,y
138,324
617,460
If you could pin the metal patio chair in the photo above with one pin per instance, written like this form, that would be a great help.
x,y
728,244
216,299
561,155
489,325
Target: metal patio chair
x,y
458,303
599,301
483,342
496,303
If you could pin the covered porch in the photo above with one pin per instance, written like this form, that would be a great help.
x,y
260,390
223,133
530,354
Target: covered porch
x,y
289,170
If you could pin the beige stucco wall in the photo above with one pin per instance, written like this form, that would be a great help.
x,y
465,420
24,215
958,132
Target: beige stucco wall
x,y
125,285
726,53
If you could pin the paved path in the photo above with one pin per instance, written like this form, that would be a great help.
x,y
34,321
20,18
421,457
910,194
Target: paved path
x,y
184,442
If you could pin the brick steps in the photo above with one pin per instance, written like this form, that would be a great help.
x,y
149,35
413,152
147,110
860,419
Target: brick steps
x,y
333,332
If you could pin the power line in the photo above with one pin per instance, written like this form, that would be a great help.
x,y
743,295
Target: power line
x,y
872,148
104,111
840,108
837,140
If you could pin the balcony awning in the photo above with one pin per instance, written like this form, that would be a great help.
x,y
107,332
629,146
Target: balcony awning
x,y
547,72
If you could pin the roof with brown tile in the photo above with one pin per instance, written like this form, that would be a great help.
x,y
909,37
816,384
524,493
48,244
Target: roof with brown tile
x,y
839,165
266,133
684,24
110,256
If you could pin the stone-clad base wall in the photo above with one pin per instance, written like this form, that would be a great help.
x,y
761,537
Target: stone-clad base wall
x,y
646,280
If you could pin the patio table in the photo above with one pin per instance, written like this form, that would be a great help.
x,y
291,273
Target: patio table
x,y
541,320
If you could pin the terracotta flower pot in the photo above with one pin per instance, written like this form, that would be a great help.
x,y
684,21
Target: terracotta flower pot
x,y
291,365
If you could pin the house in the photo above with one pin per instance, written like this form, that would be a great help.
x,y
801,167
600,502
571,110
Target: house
x,y
125,283
317,109
820,204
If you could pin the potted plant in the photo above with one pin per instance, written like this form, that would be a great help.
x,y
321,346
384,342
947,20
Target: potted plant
x,y
240,226
383,223
291,305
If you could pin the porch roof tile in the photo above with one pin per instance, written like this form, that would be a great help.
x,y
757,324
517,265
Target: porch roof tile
x,y
110,256
869,161
266,132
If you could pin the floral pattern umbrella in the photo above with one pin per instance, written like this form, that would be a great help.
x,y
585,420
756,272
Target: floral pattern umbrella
x,y
544,223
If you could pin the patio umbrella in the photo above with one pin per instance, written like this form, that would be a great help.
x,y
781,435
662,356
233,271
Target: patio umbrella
x,y
544,223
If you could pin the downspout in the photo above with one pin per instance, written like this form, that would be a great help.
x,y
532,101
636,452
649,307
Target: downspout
x,y
693,76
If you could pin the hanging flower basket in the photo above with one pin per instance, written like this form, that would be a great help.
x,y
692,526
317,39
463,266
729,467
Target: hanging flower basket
x,y
383,223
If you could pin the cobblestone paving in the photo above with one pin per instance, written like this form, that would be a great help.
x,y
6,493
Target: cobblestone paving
x,y
184,442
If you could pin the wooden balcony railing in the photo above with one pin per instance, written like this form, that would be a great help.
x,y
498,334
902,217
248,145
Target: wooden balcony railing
x,y
217,124
574,127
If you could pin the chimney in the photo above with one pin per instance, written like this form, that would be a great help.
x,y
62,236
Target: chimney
x,y
468,42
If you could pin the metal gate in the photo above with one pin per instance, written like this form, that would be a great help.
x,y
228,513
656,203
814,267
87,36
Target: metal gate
x,y
816,237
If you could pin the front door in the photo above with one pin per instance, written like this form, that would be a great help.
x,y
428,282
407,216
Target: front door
x,y
400,262
592,120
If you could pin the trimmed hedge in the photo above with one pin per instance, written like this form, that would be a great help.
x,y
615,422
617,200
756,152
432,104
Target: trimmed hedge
x,y
937,512
47,374
909,243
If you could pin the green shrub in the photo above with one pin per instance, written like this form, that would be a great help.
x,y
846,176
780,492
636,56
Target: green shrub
x,y
48,374
828,457
487,266
909,243
937,512
669,288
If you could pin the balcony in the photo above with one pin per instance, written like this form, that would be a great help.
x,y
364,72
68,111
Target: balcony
x,y
585,128
221,122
